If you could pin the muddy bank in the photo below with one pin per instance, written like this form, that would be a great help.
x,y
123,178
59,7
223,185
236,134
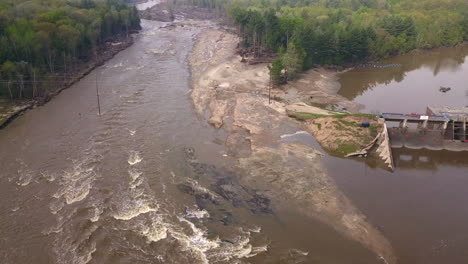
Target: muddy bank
x,y
234,96
167,11
11,110
161,11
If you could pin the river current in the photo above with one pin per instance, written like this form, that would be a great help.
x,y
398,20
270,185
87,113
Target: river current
x,y
135,185
81,188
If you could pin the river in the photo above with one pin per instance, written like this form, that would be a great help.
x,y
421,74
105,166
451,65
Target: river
x,y
422,205
411,82
138,184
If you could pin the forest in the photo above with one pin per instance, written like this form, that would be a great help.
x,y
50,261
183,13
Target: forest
x,y
307,33
43,39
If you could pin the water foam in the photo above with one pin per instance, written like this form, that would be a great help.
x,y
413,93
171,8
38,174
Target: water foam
x,y
136,180
134,158
197,213
56,205
135,68
197,242
135,208
134,174
96,214
116,65
50,177
25,174
156,231
136,183
295,134
255,229
75,184
299,252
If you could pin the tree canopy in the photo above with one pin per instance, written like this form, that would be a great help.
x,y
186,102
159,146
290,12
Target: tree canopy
x,y
38,35
345,31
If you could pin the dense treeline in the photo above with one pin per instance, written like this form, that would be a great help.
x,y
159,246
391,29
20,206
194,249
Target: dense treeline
x,y
41,38
316,32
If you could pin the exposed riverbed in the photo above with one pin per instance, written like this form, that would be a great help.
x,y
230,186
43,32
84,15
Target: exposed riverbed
x,y
146,182
150,181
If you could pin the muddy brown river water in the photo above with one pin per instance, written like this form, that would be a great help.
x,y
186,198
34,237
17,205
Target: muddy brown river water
x,y
412,84
422,205
140,184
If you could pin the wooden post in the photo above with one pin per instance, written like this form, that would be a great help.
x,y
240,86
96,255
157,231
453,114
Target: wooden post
x,y
97,94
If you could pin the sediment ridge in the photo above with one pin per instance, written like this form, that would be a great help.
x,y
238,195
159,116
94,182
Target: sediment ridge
x,y
234,96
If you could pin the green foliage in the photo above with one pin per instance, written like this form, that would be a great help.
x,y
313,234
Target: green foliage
x,y
346,148
326,32
302,116
40,37
276,69
292,60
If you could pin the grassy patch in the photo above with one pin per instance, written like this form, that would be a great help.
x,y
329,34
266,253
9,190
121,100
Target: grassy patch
x,y
346,148
339,126
348,123
302,116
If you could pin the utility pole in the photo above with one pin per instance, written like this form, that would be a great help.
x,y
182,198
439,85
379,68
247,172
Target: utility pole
x,y
97,94
269,86
34,84
269,92
64,69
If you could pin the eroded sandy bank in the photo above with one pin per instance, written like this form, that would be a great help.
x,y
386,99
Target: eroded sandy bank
x,y
234,96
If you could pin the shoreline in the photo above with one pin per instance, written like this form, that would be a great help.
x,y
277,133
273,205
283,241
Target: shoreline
x,y
107,52
233,96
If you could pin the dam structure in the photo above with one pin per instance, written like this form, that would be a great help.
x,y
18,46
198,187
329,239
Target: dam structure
x,y
440,128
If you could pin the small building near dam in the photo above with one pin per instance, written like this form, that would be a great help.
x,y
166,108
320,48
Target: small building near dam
x,y
440,128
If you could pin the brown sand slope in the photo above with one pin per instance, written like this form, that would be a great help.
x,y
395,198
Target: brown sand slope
x,y
234,96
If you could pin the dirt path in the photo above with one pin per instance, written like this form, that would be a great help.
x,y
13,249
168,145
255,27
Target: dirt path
x,y
234,96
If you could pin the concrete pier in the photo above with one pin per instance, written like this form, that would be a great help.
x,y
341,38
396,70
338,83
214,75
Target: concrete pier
x,y
442,128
